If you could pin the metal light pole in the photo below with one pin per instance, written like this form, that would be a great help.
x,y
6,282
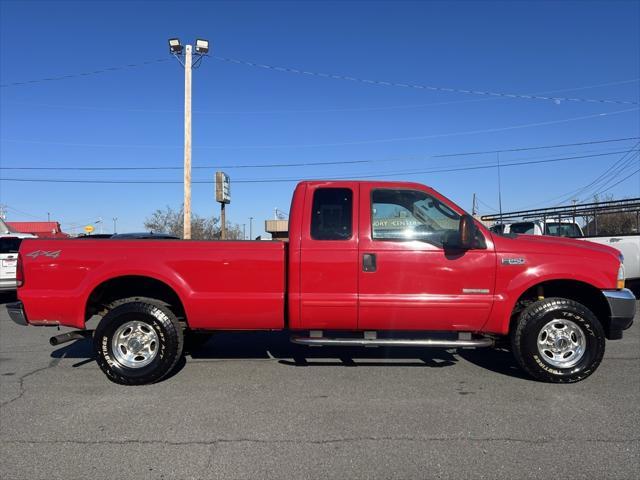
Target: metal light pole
x,y
115,220
250,228
201,49
244,231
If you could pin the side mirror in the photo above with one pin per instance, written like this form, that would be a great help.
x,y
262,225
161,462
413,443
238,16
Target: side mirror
x,y
465,237
467,231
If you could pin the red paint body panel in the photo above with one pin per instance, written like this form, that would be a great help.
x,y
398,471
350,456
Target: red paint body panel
x,y
317,284
222,285
417,285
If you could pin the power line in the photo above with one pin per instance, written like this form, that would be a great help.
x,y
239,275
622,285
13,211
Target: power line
x,y
522,149
337,144
602,180
307,110
618,182
575,193
84,74
307,164
622,170
279,180
209,167
419,86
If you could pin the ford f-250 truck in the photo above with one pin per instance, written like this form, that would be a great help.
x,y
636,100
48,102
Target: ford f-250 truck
x,y
366,264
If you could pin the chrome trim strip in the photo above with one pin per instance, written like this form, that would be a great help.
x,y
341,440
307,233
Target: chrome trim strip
x,y
394,342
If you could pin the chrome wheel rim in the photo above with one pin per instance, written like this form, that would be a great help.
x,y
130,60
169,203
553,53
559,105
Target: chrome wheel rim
x,y
562,343
135,344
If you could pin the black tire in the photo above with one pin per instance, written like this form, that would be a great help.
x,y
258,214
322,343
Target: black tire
x,y
155,318
538,362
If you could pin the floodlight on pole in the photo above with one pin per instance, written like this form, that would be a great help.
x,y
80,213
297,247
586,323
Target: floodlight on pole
x,y
190,59
202,46
175,47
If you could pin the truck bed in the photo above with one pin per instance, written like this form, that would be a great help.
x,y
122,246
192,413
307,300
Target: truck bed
x,y
211,278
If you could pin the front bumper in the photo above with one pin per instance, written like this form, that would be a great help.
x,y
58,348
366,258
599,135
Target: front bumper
x,y
16,313
622,304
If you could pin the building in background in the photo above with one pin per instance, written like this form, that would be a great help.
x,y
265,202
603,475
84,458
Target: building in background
x,y
39,229
279,229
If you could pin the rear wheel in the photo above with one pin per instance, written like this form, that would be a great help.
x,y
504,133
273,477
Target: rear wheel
x,y
139,341
558,340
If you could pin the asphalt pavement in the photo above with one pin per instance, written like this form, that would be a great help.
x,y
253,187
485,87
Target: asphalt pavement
x,y
253,406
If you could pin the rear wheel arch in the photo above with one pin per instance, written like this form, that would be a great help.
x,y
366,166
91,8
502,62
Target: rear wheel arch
x,y
109,291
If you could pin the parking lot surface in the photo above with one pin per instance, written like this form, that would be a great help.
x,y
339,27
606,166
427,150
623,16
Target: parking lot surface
x,y
253,406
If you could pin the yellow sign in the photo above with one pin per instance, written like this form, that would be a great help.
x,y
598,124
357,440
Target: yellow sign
x,y
89,228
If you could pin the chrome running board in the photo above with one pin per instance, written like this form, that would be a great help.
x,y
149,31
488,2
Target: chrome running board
x,y
370,340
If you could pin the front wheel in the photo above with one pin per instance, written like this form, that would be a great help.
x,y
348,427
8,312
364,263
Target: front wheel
x,y
558,340
139,341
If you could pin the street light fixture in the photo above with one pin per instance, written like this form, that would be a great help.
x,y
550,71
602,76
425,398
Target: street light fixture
x,y
202,46
188,62
175,47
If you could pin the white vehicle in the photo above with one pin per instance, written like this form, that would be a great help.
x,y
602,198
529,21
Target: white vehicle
x,y
562,228
9,245
628,245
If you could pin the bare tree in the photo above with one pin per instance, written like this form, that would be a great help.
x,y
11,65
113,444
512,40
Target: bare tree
x,y
609,223
202,228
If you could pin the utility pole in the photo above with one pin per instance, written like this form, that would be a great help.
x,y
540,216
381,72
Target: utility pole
x,y
187,144
115,220
250,228
499,187
473,206
201,49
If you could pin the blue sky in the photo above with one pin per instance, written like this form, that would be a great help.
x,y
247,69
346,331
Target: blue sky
x,y
248,115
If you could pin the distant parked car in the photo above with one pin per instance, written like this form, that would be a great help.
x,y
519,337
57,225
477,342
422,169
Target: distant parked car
x,y
9,245
130,236
144,236
96,236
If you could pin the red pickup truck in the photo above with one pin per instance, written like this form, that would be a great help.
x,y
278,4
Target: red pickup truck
x,y
366,264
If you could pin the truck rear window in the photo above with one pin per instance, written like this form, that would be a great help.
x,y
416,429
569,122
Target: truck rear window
x,y
9,244
558,229
331,217
525,228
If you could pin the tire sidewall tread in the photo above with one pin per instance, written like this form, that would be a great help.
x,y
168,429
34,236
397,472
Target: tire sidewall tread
x,y
159,317
536,315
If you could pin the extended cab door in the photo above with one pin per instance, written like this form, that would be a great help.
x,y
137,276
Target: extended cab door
x,y
329,257
407,281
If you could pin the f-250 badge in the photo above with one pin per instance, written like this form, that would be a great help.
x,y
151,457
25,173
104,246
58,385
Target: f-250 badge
x,y
513,261
44,253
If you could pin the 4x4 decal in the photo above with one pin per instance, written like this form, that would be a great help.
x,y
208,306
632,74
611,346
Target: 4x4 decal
x,y
44,253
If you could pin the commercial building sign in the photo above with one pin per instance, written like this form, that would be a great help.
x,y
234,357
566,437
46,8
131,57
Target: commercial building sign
x,y
223,188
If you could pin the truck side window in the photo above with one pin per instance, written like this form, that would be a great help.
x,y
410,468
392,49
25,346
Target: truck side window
x,y
331,217
410,215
